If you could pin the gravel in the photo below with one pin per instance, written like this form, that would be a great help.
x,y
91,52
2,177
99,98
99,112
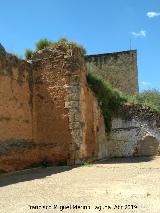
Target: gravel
x,y
116,185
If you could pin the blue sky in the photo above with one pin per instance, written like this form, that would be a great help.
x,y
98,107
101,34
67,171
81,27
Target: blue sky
x,y
100,25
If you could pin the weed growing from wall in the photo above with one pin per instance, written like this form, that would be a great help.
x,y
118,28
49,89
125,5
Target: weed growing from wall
x,y
110,100
28,54
44,43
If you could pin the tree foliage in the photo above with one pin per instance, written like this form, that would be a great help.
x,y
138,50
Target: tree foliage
x,y
150,98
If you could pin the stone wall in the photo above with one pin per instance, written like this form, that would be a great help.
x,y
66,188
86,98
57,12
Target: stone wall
x,y
85,118
48,113
119,68
47,110
51,130
95,143
135,132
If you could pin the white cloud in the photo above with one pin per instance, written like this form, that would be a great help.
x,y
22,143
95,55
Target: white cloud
x,y
145,83
152,14
141,33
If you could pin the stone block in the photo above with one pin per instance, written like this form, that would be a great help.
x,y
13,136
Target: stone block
x,y
72,104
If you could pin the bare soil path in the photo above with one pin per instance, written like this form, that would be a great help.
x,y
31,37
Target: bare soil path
x,y
116,185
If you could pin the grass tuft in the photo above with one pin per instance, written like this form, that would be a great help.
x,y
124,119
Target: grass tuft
x,y
86,163
44,43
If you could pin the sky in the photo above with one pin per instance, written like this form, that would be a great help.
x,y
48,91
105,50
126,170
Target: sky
x,y
101,26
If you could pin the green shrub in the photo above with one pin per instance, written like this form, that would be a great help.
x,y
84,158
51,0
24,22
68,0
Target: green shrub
x,y
65,41
132,99
150,98
110,100
43,43
28,54
86,163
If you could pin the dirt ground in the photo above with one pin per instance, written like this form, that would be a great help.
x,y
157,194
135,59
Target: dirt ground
x,y
117,185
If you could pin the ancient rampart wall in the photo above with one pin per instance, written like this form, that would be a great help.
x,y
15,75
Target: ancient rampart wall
x,y
49,114
66,115
51,130
47,111
119,68
15,110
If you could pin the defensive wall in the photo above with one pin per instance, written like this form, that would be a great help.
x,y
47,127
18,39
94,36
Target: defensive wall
x,y
49,114
119,69
47,111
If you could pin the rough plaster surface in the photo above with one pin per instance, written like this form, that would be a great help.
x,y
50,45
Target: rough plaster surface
x,y
45,110
15,99
15,112
95,143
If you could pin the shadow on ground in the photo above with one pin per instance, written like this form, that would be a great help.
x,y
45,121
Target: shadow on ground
x,y
126,160
39,173
32,174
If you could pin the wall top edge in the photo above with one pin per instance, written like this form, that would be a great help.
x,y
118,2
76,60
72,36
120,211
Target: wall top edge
x,y
110,54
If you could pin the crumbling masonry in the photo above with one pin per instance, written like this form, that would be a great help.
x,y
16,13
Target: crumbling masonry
x,y
48,112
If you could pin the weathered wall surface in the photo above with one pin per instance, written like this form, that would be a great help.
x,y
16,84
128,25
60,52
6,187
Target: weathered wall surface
x,y
135,132
47,111
15,111
85,118
66,115
120,69
94,144
53,70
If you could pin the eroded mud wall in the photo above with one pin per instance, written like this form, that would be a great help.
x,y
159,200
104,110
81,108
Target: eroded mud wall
x,y
47,111
15,112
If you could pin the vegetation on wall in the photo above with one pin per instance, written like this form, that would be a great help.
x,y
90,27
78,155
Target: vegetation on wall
x,y
149,98
28,54
65,41
44,43
110,100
